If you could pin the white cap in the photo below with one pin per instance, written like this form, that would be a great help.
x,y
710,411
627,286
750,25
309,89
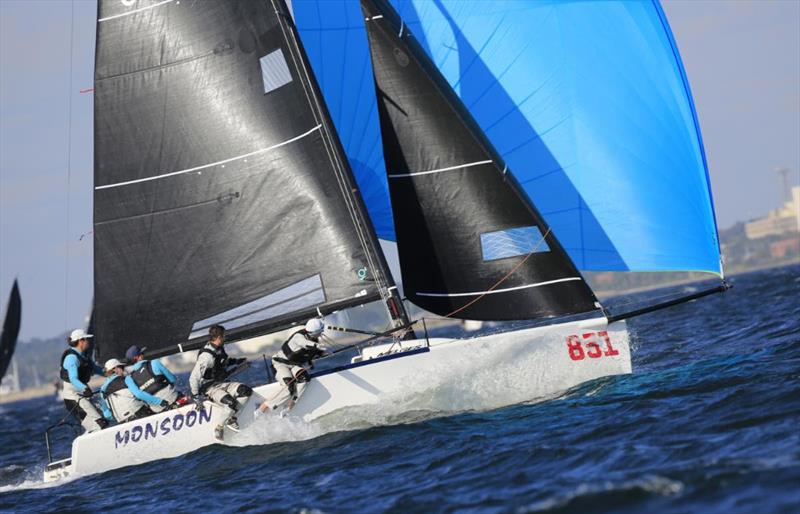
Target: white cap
x,y
111,364
315,326
79,334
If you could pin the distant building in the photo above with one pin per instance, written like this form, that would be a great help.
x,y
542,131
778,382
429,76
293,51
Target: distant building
x,y
785,248
785,220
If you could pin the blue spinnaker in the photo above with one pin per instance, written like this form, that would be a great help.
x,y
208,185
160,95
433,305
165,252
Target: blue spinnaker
x,y
587,102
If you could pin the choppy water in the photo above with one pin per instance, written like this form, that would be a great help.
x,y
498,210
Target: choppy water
x,y
708,422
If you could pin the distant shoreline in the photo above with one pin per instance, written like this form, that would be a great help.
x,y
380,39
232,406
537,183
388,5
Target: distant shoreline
x,y
609,293
49,389
28,394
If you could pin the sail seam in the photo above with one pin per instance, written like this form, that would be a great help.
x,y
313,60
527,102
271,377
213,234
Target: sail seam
x,y
539,284
196,168
134,11
449,168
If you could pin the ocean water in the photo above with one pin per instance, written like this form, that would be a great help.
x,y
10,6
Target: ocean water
x,y
709,421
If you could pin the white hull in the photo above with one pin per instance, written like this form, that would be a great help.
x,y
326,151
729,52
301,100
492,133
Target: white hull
x,y
448,375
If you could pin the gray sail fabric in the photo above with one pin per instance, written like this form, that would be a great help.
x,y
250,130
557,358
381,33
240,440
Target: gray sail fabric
x,y
471,244
11,324
218,191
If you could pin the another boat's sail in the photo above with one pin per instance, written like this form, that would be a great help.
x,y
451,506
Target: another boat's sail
x,y
471,244
220,194
11,323
587,103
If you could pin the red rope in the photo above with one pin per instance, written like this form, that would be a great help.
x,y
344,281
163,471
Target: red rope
x,y
515,268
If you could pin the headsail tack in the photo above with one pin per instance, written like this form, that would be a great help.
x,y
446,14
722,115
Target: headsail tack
x,y
11,324
471,245
220,196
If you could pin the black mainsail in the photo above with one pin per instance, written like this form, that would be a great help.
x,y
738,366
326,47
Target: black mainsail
x,y
471,243
11,324
221,193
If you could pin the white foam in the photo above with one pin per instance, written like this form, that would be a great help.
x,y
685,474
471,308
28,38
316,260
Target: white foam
x,y
490,377
34,480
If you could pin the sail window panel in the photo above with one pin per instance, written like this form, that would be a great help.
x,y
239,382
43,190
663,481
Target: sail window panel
x,y
274,71
512,243
300,295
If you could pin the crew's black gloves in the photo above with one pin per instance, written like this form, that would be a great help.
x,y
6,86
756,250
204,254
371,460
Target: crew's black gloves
x,y
198,400
86,393
164,404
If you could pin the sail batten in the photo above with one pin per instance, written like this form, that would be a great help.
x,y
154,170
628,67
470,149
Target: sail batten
x,y
220,194
212,164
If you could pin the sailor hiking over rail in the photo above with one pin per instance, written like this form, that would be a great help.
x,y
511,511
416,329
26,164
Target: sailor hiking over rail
x,y
299,350
116,398
209,378
77,368
150,381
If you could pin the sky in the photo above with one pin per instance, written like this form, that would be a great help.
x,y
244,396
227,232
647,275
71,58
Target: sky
x,y
742,59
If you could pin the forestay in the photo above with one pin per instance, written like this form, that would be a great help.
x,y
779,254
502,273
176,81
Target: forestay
x,y
470,243
587,103
220,195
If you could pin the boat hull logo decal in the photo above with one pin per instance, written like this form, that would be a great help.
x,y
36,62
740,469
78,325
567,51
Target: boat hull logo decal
x,y
166,426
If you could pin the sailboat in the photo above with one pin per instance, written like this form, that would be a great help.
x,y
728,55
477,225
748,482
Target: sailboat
x,y
8,337
224,195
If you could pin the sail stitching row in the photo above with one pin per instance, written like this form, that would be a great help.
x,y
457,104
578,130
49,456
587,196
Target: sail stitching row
x,y
189,170
493,291
449,168
135,11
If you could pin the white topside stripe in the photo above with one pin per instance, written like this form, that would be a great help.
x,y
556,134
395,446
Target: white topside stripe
x,y
449,168
135,11
476,293
243,156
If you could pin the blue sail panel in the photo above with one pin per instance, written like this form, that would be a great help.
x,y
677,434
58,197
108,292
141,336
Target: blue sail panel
x,y
335,40
588,104
586,101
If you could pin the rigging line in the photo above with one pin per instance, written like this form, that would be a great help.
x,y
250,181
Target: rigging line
x,y
515,268
69,163
649,298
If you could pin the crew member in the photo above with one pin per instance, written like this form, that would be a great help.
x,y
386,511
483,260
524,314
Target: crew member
x,y
77,368
210,374
150,381
299,350
117,400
